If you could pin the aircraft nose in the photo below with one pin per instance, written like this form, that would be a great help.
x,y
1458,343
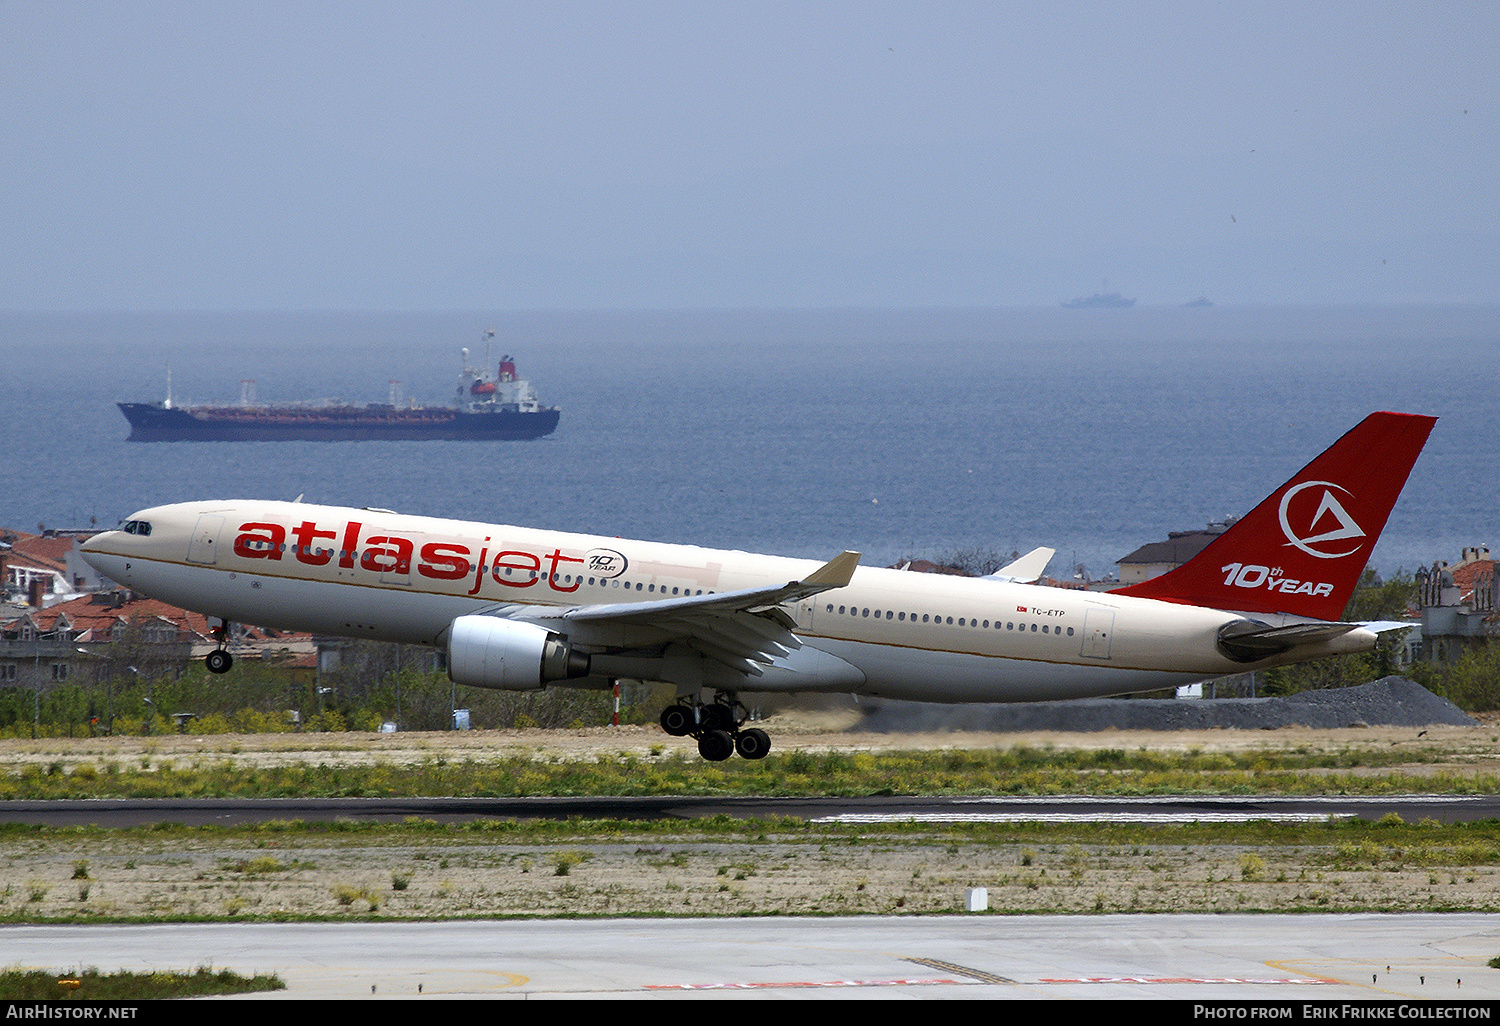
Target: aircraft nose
x,y
101,553
92,554
101,542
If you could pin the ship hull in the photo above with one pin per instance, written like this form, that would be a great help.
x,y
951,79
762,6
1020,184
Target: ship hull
x,y
1096,302
150,422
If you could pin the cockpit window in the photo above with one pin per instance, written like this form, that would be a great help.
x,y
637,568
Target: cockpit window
x,y
137,527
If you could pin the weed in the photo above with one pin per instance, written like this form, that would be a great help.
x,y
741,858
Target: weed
x,y
346,895
564,861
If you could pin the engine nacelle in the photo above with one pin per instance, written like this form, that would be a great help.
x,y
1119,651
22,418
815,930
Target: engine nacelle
x,y
492,652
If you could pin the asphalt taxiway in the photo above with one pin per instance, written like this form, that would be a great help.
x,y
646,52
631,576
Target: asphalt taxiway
x,y
131,812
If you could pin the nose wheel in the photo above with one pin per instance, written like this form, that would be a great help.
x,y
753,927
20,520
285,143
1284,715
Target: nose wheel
x,y
718,727
219,660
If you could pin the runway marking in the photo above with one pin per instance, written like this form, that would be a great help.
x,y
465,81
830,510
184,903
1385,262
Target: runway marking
x,y
1158,810
981,976
1081,817
799,984
1179,979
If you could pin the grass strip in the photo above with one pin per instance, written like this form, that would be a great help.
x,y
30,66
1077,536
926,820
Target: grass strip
x,y
1008,771
93,985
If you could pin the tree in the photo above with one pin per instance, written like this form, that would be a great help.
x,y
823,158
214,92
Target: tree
x,y
1374,599
1473,682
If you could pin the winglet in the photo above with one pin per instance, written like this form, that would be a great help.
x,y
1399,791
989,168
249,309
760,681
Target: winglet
x,y
1026,569
835,573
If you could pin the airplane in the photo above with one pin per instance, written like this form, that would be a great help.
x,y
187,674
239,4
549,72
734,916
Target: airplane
x,y
518,608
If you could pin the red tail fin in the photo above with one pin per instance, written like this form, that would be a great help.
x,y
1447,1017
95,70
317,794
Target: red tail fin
x,y
1301,551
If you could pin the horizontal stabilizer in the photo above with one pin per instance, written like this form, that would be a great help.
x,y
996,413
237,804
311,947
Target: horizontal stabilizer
x,y
1386,626
1247,641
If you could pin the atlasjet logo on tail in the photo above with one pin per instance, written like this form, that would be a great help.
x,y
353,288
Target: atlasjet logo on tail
x,y
1328,506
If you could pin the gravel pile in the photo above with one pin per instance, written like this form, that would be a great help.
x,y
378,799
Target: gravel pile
x,y
1388,702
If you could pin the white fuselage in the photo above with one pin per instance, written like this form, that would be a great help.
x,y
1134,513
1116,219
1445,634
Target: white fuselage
x,y
374,574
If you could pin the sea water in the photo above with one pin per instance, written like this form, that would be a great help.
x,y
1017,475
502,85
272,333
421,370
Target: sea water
x,y
898,433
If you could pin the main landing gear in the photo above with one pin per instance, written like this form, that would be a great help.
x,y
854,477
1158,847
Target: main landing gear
x,y
219,660
719,727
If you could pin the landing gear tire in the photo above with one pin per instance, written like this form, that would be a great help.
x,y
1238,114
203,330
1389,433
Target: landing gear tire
x,y
677,720
718,716
753,743
218,661
717,726
716,745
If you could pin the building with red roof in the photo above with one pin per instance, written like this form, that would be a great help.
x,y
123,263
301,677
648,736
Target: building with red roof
x,y
111,633
1458,605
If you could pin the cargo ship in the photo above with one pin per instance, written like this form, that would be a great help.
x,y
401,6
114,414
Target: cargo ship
x,y
1099,301
489,406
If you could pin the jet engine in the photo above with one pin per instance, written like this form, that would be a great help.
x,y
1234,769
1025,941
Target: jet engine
x,y
492,652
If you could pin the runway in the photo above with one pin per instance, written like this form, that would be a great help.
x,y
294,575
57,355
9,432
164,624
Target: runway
x,y
1261,958
132,812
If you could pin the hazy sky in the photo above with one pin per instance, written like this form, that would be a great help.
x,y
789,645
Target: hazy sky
x,y
365,155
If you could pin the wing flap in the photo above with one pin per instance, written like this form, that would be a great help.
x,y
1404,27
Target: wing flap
x,y
720,633
730,634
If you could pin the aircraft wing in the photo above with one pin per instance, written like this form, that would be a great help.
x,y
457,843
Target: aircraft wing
x,y
743,630
1025,570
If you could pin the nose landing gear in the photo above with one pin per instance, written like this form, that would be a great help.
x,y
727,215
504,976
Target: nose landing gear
x,y
219,660
718,727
